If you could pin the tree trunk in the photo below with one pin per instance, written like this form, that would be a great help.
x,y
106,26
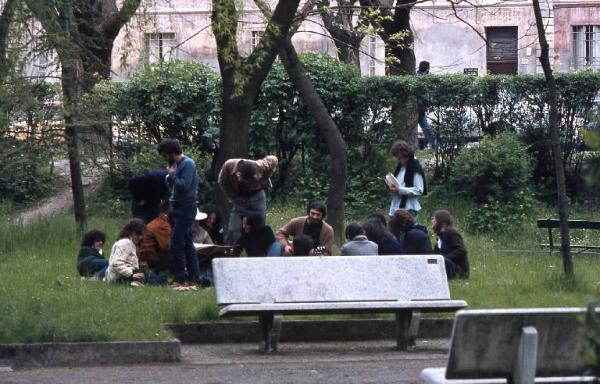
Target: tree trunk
x,y
400,56
330,132
71,85
235,122
563,213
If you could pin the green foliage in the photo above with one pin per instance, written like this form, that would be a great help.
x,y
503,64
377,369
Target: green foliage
x,y
174,99
497,175
28,140
183,100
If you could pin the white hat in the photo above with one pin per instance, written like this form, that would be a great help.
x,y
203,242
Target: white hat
x,y
200,215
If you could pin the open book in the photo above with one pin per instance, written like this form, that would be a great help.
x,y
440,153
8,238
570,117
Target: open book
x,y
391,180
211,249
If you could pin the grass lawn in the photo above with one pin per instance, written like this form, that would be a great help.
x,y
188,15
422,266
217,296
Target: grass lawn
x,y
42,297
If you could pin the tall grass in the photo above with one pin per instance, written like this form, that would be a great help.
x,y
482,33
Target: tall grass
x,y
42,298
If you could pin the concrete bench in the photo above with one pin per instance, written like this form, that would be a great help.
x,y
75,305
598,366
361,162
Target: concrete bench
x,y
515,346
273,286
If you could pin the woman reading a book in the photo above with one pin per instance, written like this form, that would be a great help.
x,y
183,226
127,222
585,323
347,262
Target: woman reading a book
x,y
407,183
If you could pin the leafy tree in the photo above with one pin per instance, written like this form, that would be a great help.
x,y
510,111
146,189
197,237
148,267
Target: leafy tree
x,y
391,20
242,75
339,22
82,33
563,213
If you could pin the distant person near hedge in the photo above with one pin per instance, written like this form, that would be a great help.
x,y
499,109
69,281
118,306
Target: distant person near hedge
x,y
183,179
423,107
90,262
245,182
450,244
147,192
312,225
408,180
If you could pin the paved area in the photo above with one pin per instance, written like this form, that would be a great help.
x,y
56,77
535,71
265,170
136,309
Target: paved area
x,y
63,198
350,362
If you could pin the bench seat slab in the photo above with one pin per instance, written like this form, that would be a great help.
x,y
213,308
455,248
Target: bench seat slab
x,y
438,376
342,307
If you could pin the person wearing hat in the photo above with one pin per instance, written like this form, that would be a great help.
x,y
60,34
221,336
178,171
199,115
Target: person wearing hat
x,y
199,234
245,182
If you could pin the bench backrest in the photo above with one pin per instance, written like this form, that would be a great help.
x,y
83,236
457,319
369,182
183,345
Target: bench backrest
x,y
573,224
485,342
329,279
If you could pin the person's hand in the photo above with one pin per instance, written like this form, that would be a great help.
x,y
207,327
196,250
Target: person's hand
x,y
171,170
138,276
394,188
288,249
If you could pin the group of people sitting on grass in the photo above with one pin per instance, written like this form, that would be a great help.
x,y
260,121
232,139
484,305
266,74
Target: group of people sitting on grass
x,y
170,234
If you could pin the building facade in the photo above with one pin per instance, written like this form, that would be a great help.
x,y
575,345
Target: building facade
x,y
483,37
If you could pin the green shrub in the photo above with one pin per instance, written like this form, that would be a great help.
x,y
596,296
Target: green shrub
x,y
496,175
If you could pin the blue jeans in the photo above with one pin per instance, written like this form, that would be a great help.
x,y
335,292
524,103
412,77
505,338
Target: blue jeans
x,y
241,208
451,268
427,131
100,266
182,246
276,249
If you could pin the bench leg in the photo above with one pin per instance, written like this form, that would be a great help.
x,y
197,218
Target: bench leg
x,y
403,319
270,327
526,360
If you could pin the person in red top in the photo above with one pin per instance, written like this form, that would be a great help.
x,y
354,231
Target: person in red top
x,y
156,244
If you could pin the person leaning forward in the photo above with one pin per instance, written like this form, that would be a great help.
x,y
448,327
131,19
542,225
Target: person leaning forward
x,y
245,182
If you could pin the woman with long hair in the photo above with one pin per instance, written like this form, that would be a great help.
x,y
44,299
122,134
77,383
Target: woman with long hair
x,y
213,223
450,244
377,232
123,265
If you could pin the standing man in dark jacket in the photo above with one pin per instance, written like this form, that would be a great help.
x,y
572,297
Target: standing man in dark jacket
x,y
413,237
147,191
183,180
423,107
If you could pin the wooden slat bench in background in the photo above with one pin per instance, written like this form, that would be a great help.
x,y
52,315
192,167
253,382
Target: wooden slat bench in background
x,y
551,224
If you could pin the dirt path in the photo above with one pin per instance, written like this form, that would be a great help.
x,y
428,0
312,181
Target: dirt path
x,y
63,199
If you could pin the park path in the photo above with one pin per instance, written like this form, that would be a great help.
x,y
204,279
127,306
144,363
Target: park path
x,y
63,198
373,362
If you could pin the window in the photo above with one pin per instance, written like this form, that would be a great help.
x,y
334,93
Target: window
x,y
159,47
586,46
372,55
256,35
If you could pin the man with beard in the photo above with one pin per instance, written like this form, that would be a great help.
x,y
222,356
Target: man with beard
x,y
245,182
312,225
